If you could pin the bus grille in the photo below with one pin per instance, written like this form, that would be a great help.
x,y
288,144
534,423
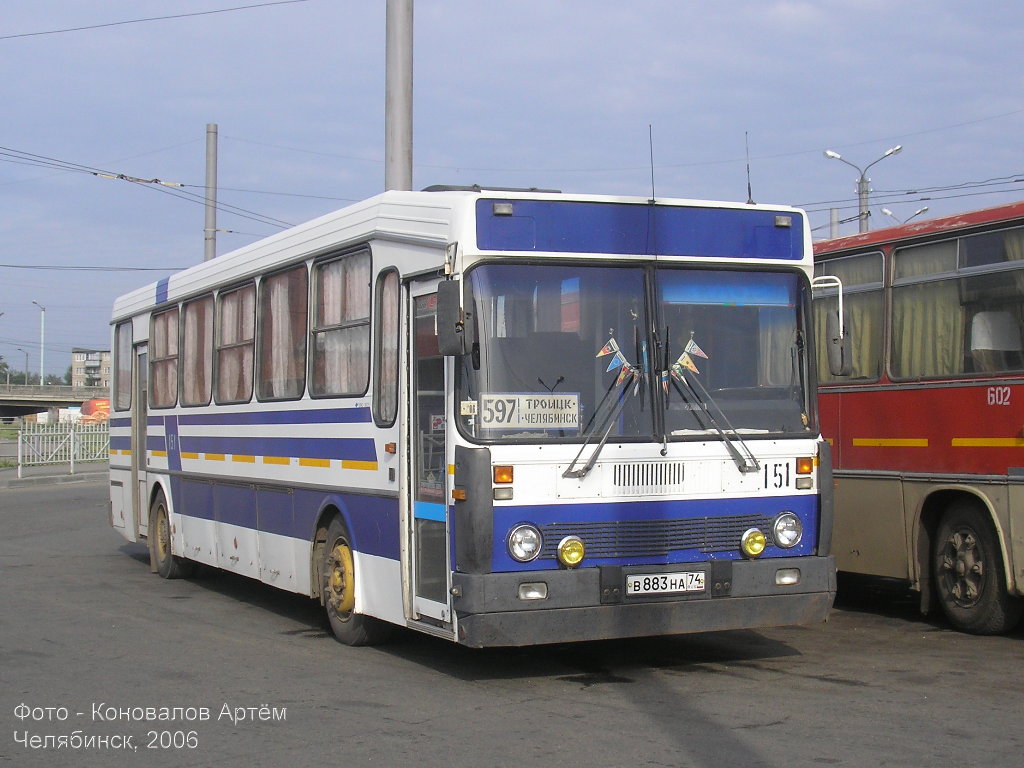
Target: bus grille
x,y
650,538
648,477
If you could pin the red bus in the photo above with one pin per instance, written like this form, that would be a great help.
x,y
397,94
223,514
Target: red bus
x,y
927,428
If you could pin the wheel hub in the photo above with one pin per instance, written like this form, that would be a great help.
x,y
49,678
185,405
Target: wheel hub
x,y
964,566
340,582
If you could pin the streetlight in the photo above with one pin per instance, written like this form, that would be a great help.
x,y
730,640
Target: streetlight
x,y
26,364
892,216
42,343
862,181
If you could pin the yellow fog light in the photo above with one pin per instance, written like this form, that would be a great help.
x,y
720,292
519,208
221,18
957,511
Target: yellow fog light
x,y
753,542
571,551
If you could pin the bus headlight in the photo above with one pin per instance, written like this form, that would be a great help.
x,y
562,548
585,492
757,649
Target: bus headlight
x,y
524,543
787,530
753,542
571,551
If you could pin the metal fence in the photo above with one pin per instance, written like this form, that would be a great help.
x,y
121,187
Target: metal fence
x,y
62,444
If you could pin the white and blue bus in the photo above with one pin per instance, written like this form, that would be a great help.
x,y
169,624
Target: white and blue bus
x,y
501,417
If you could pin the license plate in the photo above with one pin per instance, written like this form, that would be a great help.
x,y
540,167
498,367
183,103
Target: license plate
x,y
664,583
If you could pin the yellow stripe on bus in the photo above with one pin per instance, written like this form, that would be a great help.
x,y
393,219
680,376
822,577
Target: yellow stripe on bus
x,y
348,464
244,459
276,460
314,462
159,454
189,455
890,442
987,442
214,456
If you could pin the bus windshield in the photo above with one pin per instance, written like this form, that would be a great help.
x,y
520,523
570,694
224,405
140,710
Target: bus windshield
x,y
567,352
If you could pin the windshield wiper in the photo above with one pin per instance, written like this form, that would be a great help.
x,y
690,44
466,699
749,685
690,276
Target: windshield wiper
x,y
609,408
608,411
744,458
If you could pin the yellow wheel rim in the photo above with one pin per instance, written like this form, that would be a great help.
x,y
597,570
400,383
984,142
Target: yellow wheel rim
x,y
341,593
163,535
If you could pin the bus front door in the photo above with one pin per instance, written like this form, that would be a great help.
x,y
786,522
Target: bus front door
x,y
140,493
427,569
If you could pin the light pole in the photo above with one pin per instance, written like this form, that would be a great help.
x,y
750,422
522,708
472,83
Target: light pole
x,y
892,215
862,181
42,343
26,365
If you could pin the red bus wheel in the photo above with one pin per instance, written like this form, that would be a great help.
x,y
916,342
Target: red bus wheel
x,y
967,570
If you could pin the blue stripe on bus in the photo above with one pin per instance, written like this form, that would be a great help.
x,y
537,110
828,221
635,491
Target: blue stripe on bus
x,y
625,228
373,521
344,448
424,510
306,416
161,289
262,418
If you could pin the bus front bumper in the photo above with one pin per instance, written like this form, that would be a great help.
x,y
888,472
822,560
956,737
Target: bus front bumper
x,y
591,604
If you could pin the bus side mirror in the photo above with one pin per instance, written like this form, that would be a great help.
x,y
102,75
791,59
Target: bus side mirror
x,y
453,332
837,348
837,329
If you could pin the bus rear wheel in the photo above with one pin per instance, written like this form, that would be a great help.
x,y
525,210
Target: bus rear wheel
x,y
338,589
967,569
161,556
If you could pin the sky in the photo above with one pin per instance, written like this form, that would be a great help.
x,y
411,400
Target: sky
x,y
576,95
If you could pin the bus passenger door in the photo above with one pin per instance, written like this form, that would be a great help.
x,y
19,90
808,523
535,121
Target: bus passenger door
x,y
427,514
139,415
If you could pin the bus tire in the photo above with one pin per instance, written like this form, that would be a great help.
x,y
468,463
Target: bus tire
x,y
337,585
161,556
968,575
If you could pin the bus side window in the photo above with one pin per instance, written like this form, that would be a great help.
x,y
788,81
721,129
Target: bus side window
x,y
163,360
282,335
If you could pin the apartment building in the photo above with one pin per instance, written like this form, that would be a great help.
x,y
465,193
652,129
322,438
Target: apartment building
x,y
90,367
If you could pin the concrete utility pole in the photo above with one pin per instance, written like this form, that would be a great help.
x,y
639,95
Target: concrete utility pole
x,y
42,345
210,230
398,96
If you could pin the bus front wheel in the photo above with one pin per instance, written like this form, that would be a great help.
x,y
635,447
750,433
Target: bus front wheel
x,y
338,588
968,573
161,556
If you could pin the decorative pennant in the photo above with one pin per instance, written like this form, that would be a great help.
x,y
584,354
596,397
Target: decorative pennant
x,y
625,373
617,360
611,348
693,349
685,361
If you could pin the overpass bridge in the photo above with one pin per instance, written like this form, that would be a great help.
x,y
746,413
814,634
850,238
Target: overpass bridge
x,y
19,400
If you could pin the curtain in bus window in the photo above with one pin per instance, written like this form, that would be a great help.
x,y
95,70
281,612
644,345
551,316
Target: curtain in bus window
x,y
197,352
927,317
386,401
235,348
778,365
163,356
341,362
123,367
283,302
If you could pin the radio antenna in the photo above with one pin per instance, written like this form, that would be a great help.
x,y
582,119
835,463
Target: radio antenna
x,y
650,144
750,195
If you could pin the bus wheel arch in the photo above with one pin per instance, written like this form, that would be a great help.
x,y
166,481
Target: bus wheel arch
x,y
160,539
962,564
336,580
